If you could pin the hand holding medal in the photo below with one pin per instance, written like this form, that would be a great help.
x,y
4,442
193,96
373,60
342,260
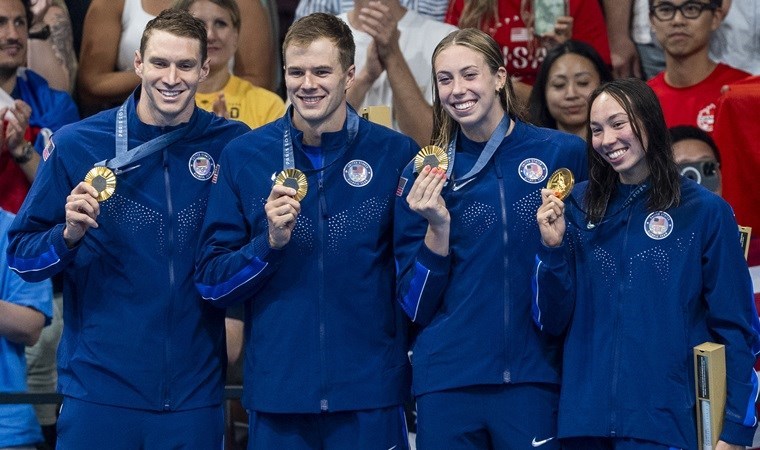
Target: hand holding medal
x,y
81,213
561,182
551,213
283,206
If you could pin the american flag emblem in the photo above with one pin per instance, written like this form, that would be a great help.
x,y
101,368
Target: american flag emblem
x,y
215,176
401,185
658,225
48,151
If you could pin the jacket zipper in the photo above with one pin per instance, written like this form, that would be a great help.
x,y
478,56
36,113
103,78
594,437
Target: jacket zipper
x,y
170,232
323,403
618,334
506,374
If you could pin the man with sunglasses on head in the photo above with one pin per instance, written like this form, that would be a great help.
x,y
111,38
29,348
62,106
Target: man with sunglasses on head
x,y
691,83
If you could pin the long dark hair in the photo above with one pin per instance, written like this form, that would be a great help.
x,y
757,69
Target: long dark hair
x,y
537,108
645,114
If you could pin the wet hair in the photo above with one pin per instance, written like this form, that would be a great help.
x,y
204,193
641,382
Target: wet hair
x,y
537,107
179,23
483,44
230,6
315,26
646,119
684,132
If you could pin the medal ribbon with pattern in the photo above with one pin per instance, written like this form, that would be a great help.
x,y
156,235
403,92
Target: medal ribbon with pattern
x,y
294,178
103,176
497,137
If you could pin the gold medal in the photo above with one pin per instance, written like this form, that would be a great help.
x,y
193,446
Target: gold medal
x,y
561,182
432,156
294,178
103,180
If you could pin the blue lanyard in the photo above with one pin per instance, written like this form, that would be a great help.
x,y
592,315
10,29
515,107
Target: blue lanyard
x,y
123,156
288,161
497,137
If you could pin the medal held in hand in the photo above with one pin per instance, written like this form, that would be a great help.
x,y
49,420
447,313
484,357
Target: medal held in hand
x,y
103,180
561,182
432,156
294,178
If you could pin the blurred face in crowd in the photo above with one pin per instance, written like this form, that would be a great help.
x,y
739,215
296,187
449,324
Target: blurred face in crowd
x,y
316,84
694,151
467,89
571,80
222,35
613,138
681,36
171,69
14,32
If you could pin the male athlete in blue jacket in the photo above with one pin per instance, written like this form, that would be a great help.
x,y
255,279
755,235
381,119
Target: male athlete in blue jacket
x,y
141,356
325,358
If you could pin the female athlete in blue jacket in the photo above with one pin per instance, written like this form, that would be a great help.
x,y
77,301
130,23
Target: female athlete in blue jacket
x,y
638,266
484,375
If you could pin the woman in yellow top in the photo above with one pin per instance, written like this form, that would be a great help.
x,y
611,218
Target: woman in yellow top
x,y
222,92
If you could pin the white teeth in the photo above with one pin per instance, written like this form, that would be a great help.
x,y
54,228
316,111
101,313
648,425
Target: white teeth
x,y
310,99
465,105
169,93
616,154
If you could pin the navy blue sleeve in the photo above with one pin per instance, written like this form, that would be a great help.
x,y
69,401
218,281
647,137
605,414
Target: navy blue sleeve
x,y
553,282
732,317
36,250
231,265
422,276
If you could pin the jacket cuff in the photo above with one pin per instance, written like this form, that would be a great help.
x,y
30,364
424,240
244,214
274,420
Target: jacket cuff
x,y
551,257
737,434
432,261
59,244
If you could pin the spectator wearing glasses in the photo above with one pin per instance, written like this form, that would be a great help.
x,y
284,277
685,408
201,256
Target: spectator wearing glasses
x,y
691,83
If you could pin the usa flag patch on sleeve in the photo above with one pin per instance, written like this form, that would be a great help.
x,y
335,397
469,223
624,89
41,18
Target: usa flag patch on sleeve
x,y
401,185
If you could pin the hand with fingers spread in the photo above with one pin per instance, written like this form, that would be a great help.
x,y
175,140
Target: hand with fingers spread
x,y
551,218
82,210
425,199
282,209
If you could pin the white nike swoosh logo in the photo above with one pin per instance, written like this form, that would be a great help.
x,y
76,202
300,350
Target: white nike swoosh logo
x,y
536,443
457,187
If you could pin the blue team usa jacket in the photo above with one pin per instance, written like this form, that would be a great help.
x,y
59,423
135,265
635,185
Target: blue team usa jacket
x,y
137,333
323,330
634,294
474,306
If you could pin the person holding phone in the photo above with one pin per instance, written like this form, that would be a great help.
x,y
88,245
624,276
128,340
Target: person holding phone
x,y
512,23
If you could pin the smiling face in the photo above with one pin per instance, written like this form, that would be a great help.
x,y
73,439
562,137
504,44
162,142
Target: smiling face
x,y
467,89
613,138
14,33
170,69
571,80
222,35
316,85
